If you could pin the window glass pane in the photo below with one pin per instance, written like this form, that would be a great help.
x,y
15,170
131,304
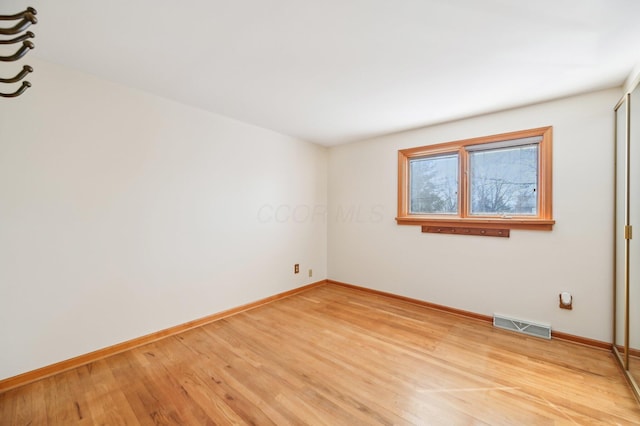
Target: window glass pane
x,y
504,181
434,185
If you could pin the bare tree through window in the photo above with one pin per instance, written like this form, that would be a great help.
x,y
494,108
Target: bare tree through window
x,y
504,181
434,184
488,182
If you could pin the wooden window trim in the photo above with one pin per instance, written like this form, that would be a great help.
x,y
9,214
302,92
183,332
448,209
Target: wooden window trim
x,y
544,219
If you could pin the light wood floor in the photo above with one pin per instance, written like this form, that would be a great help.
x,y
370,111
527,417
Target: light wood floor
x,y
336,356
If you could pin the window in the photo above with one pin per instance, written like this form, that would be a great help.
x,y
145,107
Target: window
x,y
500,181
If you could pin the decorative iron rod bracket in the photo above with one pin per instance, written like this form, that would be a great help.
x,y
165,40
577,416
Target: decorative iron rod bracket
x,y
18,39
22,74
26,18
21,15
25,23
26,45
20,91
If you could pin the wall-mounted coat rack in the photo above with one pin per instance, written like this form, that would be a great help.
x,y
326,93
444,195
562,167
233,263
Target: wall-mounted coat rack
x,y
25,20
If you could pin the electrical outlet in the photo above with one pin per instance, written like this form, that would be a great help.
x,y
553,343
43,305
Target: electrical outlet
x,y
296,268
310,273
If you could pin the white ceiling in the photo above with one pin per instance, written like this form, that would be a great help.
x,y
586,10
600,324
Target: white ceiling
x,y
335,71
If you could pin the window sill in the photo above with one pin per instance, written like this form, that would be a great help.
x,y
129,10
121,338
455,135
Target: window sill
x,y
491,223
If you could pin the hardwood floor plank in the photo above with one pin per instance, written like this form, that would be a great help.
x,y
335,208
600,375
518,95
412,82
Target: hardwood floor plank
x,y
287,367
336,355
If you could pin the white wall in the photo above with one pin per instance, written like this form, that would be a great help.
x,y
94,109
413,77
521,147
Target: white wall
x,y
122,214
520,276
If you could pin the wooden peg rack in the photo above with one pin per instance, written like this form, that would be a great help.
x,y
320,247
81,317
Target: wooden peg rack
x,y
462,230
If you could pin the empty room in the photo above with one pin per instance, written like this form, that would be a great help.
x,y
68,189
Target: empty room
x,y
319,212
